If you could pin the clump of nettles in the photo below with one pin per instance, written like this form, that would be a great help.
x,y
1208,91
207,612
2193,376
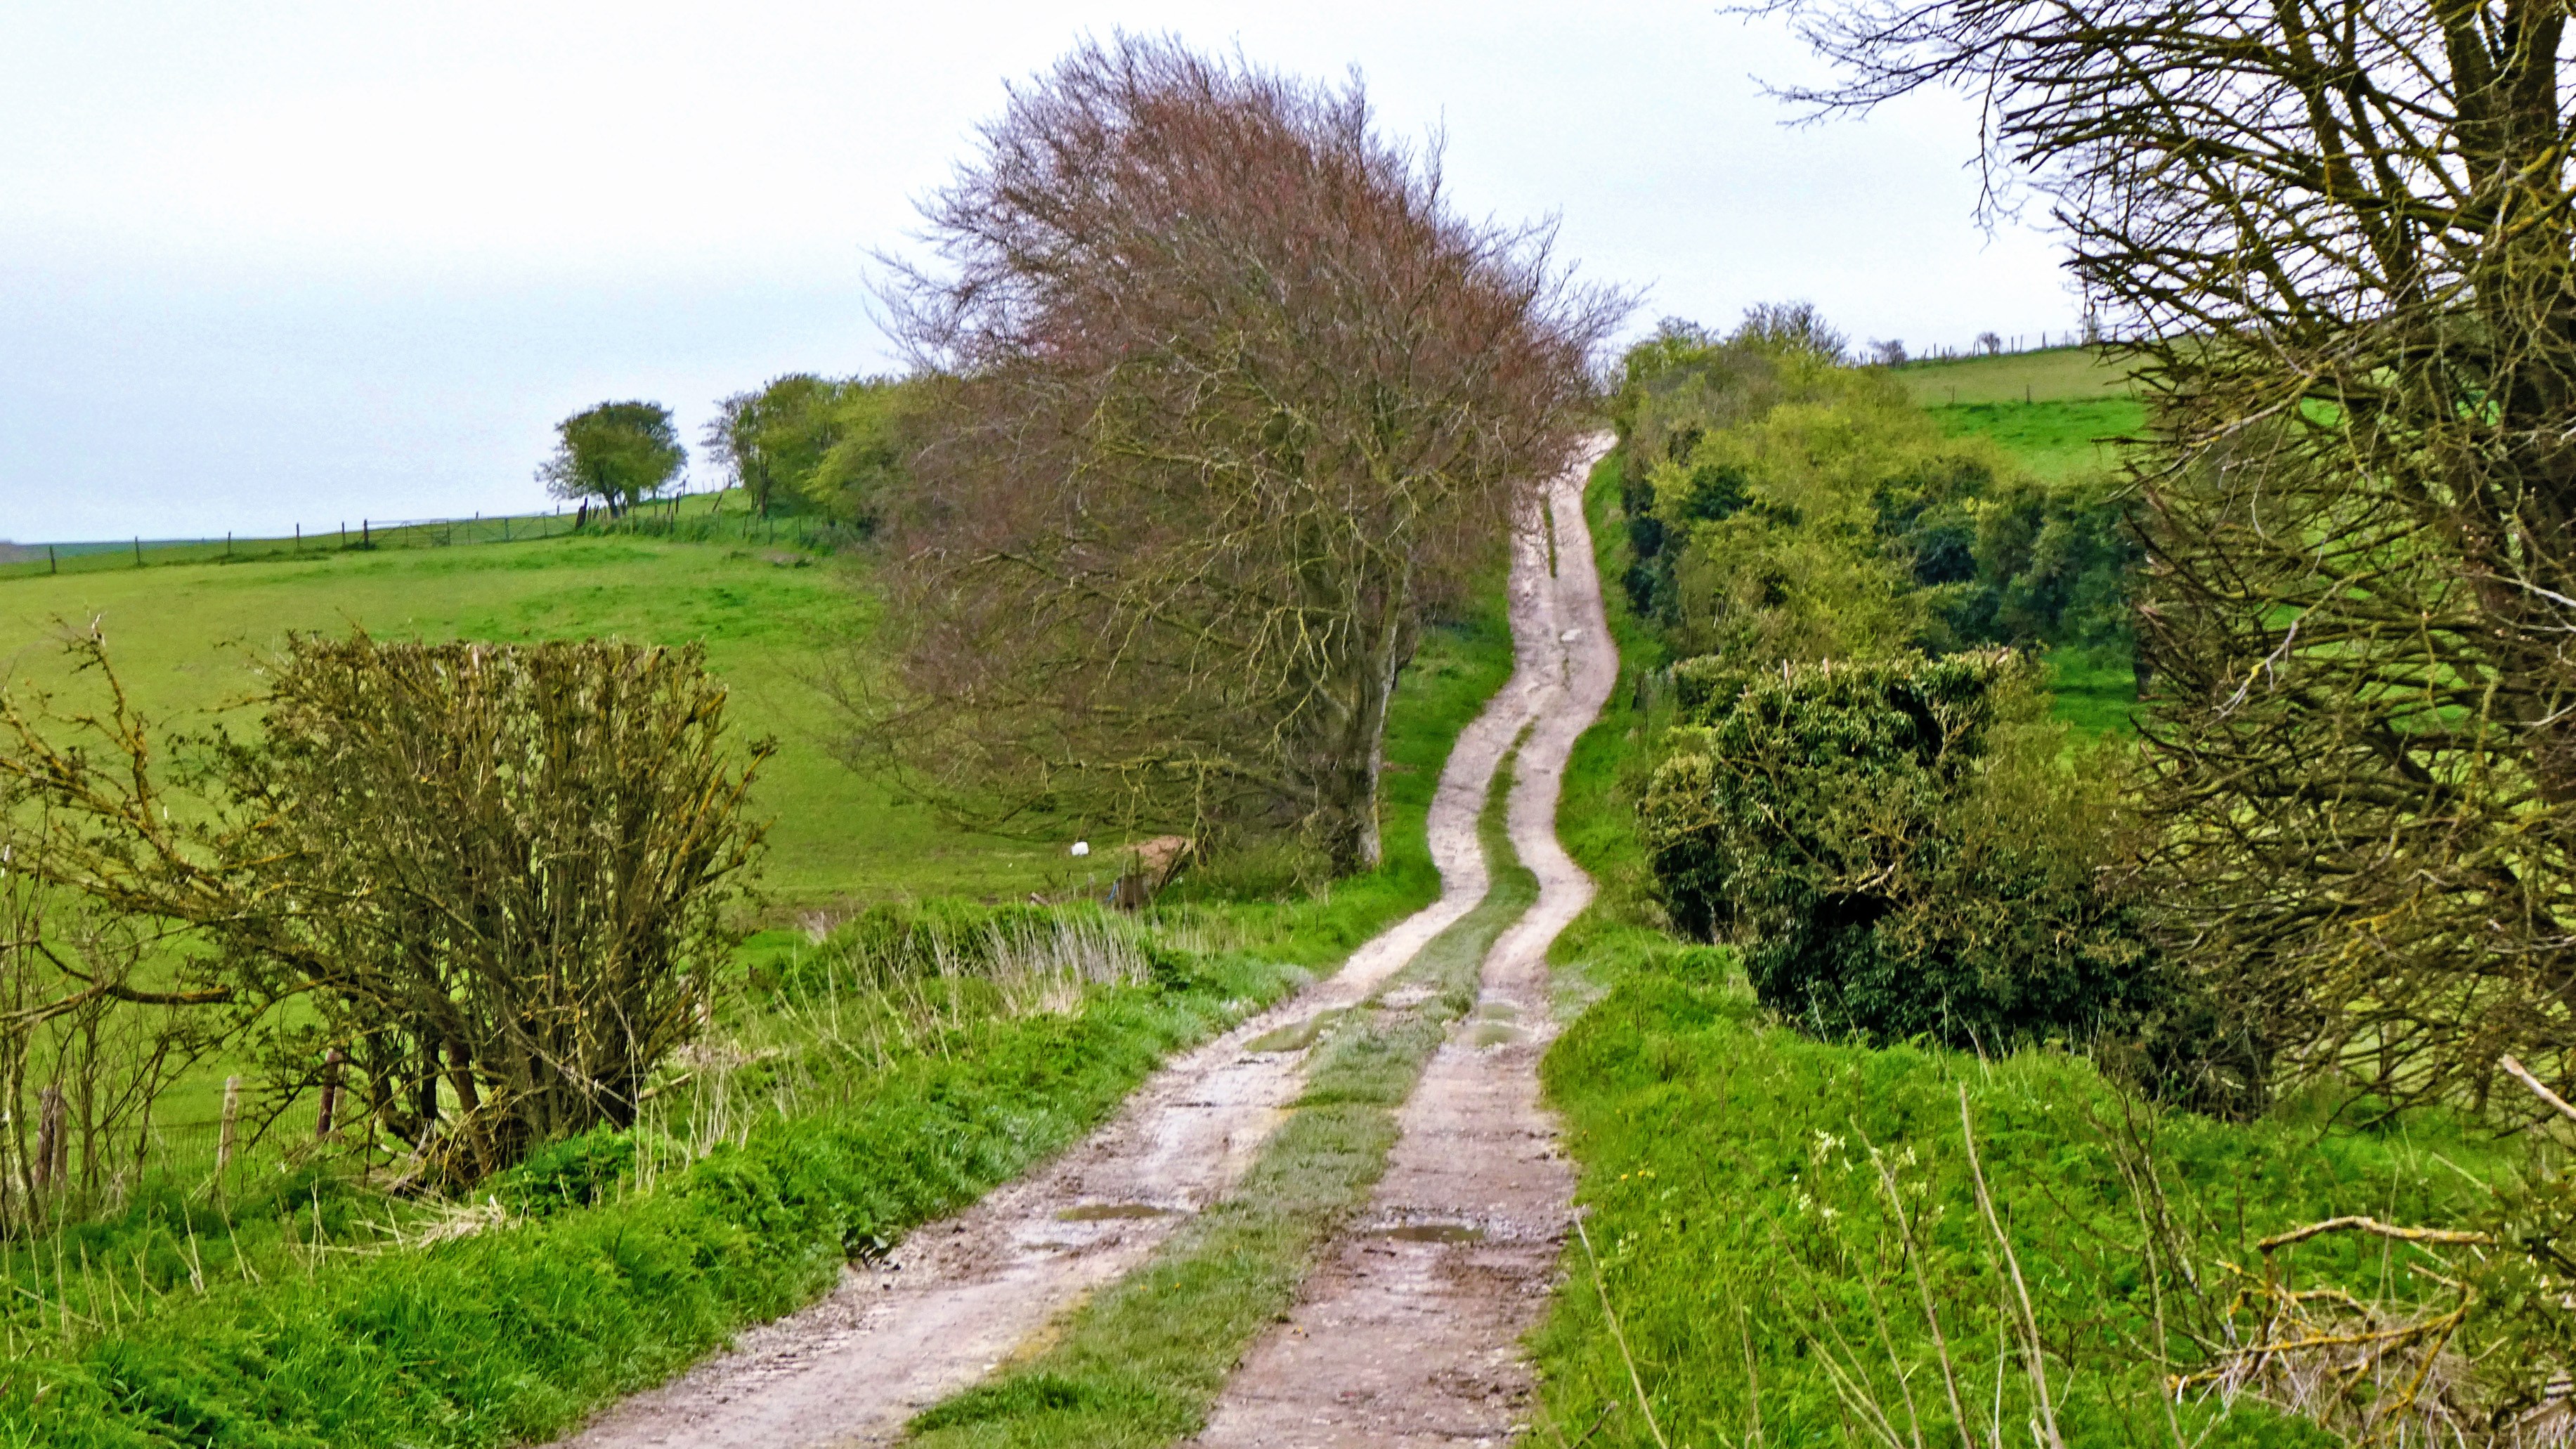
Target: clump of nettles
x,y
1906,849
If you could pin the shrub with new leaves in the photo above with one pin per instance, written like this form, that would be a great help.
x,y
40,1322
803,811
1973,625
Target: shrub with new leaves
x,y
1906,851
494,877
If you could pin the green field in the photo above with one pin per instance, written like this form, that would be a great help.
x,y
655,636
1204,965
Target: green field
x,y
2056,374
2059,411
184,638
2056,439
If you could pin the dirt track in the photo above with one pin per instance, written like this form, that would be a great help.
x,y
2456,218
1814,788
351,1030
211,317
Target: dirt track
x,y
1409,1335
960,1295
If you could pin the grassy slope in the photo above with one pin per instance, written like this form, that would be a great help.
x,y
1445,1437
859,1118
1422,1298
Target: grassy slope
x,y
183,639
2056,439
2056,410
1725,1170
231,1331
2053,375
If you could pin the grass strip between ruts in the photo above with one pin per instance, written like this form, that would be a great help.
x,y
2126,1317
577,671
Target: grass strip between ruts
x,y
1140,1364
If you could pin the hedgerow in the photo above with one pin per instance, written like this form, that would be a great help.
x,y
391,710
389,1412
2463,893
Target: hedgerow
x,y
1904,854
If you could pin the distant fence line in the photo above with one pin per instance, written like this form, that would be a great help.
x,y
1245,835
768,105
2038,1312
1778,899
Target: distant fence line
x,y
682,515
2007,346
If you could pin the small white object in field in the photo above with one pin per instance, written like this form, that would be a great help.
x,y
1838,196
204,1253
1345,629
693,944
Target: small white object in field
x,y
1081,848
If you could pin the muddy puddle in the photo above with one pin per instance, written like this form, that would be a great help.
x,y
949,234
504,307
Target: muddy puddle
x,y
1105,1212
1437,1233
1296,1036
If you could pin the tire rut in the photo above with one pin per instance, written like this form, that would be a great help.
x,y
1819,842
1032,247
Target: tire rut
x,y
965,1294
1409,1334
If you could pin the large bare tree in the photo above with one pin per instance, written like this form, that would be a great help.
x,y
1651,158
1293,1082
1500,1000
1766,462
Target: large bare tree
x,y
2339,236
1228,400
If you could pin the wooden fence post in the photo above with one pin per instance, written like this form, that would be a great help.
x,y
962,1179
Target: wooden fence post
x,y
49,1138
330,1094
224,1133
138,552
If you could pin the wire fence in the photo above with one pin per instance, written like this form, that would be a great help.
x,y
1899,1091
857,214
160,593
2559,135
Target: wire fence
x,y
1992,345
718,516
57,1167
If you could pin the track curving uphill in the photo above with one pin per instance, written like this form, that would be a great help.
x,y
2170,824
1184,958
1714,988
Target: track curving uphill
x,y
960,1296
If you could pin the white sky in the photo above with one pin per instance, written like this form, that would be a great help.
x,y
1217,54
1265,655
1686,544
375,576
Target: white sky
x,y
267,263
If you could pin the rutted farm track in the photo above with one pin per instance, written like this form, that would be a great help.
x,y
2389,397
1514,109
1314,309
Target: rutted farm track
x,y
1407,1334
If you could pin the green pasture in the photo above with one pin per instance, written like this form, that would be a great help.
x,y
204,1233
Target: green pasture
x,y
2060,411
2060,438
2055,374
185,637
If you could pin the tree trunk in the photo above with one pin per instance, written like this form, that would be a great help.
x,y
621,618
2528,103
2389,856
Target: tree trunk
x,y
1348,803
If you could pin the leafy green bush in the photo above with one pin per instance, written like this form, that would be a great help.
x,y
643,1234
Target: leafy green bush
x,y
1906,852
1783,505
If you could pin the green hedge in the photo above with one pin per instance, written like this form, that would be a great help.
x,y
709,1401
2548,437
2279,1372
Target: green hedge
x,y
1908,854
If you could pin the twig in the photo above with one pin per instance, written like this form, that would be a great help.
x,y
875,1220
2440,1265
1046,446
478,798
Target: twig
x,y
1914,1259
2034,1352
2357,1224
1612,1318
2523,1075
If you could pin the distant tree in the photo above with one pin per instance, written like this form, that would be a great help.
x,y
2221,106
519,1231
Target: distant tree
x,y
871,429
1230,402
804,443
1890,353
1797,326
732,444
618,453
1990,344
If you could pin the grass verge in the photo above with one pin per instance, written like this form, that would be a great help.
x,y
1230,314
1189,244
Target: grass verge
x,y
1729,1170
1140,1364
1747,1281
310,1313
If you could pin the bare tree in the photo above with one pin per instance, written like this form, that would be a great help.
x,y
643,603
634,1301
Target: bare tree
x,y
1228,399
2339,235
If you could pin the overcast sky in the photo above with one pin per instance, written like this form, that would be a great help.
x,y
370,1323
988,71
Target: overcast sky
x,y
269,263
